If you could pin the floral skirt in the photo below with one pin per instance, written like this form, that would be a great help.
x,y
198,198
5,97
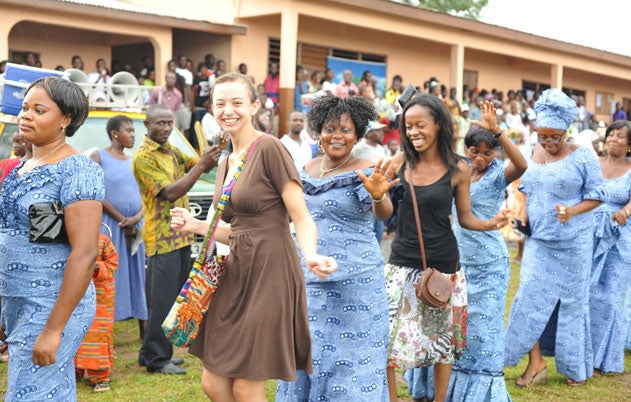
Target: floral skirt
x,y
421,335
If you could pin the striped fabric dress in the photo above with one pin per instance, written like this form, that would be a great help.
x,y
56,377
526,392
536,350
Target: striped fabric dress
x,y
96,352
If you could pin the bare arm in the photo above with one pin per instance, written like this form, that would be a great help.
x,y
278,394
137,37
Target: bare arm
x,y
182,221
306,231
178,188
466,218
82,220
518,163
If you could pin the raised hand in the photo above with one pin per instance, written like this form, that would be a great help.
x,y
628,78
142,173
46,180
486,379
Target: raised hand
x,y
489,117
377,184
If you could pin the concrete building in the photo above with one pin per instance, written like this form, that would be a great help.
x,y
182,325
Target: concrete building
x,y
412,42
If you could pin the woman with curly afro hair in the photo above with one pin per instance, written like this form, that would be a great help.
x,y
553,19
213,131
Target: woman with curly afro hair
x,y
348,311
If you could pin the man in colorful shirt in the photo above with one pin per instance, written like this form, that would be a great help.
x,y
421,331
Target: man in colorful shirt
x,y
164,175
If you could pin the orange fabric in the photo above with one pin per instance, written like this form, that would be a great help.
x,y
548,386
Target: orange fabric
x,y
97,349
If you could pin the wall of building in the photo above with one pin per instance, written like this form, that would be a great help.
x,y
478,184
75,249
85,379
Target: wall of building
x,y
195,45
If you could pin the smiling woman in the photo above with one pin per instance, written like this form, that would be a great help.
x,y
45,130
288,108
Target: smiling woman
x,y
122,209
44,331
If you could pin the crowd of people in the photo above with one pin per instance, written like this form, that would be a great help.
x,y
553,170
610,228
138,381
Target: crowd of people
x,y
353,165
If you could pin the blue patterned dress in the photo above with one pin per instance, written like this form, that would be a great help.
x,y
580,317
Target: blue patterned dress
x,y
611,274
122,191
552,302
31,276
479,374
348,312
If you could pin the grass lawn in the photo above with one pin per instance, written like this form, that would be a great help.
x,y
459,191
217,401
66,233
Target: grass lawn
x,y
132,383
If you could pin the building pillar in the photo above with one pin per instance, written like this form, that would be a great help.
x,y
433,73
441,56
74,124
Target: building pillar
x,y
456,73
556,76
5,29
287,66
162,52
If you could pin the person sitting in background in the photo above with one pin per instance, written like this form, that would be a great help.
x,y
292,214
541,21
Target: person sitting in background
x,y
366,81
168,95
346,88
19,151
95,357
77,62
394,91
101,77
300,89
619,114
315,82
299,150
272,83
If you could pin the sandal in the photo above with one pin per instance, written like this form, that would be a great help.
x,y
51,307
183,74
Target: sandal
x,y
573,383
102,386
539,378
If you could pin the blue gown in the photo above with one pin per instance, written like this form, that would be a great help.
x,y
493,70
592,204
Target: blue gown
x,y
348,312
31,275
552,302
611,274
484,257
122,191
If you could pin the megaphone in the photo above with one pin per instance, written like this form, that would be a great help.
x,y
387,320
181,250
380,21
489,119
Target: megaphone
x,y
124,89
80,78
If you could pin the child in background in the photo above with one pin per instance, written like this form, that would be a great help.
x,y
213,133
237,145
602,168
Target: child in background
x,y
95,357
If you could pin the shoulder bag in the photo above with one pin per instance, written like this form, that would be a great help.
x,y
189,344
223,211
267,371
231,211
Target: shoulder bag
x,y
433,288
187,313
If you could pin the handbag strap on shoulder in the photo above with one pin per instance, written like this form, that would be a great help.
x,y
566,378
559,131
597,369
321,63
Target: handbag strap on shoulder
x,y
417,217
205,255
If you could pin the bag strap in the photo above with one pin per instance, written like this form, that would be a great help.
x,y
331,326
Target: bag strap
x,y
207,246
417,216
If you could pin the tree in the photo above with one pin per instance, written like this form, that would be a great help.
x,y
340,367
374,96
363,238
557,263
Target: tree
x,y
462,8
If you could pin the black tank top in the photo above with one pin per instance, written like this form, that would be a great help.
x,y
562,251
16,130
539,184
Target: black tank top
x,y
435,203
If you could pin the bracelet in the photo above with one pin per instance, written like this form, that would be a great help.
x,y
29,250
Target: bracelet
x,y
497,135
380,199
626,211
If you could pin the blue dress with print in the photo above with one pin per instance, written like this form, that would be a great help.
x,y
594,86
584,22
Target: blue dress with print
x,y
479,374
611,274
348,312
31,275
552,302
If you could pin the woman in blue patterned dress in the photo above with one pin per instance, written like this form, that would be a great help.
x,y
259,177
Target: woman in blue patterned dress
x,y
479,375
612,253
348,311
550,313
48,298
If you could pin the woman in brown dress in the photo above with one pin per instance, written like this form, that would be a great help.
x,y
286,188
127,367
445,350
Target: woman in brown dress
x,y
257,324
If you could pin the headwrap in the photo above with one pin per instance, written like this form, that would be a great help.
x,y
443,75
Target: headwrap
x,y
555,109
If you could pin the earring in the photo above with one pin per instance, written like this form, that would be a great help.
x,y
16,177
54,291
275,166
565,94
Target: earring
x,y
319,144
63,128
116,136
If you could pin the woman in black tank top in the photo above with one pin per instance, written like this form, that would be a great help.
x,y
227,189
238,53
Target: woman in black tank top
x,y
422,335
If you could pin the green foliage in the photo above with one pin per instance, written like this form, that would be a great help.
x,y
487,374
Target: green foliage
x,y
462,8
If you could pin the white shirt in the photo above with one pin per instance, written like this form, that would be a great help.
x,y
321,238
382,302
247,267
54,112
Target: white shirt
x,y
211,127
363,150
300,152
188,76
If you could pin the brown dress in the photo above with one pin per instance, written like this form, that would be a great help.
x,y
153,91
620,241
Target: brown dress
x,y
257,324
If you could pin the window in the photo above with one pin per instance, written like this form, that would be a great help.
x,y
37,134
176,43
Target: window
x,y
273,51
470,79
604,103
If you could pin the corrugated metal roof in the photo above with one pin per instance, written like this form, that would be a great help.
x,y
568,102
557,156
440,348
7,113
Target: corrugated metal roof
x,y
134,8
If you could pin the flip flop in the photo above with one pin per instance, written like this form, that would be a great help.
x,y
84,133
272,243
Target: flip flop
x,y
539,378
